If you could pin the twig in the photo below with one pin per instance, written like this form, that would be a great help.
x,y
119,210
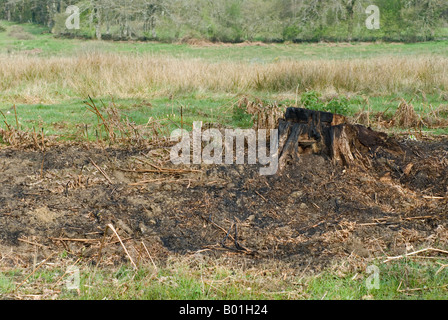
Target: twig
x,y
29,242
42,164
181,118
161,180
442,266
43,140
419,217
217,226
95,110
66,271
413,253
162,170
261,196
227,235
315,205
111,227
433,197
74,240
421,289
15,113
375,224
155,267
101,171
34,271
146,181
385,222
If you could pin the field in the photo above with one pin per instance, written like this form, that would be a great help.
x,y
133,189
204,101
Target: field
x,y
87,180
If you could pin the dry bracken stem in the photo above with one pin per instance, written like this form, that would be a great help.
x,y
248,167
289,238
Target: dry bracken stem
x,y
101,171
149,255
413,253
111,227
34,271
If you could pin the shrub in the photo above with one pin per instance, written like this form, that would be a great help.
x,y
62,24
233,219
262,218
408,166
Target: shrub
x,y
290,33
338,105
312,100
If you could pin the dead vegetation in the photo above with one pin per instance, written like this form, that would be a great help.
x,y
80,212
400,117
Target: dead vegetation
x,y
264,116
15,136
119,129
405,117
207,43
112,128
19,33
41,79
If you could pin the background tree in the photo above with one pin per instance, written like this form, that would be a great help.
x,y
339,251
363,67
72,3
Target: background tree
x,y
237,20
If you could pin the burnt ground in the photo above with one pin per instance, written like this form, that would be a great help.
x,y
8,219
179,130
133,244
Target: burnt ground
x,y
310,214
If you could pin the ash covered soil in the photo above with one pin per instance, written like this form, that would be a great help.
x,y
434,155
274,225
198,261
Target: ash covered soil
x,y
309,214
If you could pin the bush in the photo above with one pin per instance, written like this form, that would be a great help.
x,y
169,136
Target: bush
x,y
290,33
311,100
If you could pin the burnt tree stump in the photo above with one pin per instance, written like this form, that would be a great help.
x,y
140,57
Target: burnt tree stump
x,y
304,131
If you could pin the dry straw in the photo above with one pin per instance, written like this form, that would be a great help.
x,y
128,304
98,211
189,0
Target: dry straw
x,y
406,117
36,79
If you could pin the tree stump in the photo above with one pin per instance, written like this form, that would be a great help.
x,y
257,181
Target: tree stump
x,y
304,131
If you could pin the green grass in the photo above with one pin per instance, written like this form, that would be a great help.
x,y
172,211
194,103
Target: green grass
x,y
206,280
69,120
397,281
266,53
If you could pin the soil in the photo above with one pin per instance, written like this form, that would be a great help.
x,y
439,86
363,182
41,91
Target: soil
x,y
310,214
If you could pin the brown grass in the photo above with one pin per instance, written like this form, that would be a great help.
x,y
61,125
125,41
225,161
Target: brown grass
x,y
119,129
207,43
25,79
406,117
15,136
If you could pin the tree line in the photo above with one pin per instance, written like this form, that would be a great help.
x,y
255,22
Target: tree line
x,y
236,20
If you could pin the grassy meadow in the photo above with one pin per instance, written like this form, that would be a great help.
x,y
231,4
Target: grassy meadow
x,y
48,79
